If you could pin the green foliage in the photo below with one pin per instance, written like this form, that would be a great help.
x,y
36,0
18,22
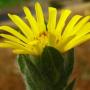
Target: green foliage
x,y
10,3
49,71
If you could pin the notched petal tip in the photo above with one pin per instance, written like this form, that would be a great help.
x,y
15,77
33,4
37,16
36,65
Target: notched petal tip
x,y
9,15
12,15
27,11
52,9
25,8
67,11
37,4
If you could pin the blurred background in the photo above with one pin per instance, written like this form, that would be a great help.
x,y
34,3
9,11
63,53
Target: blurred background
x,y
10,77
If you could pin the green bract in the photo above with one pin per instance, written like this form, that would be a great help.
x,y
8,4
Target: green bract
x,y
49,71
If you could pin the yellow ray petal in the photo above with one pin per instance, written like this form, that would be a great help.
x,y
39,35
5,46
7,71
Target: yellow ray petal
x,y
20,51
5,45
13,32
75,42
40,17
12,38
32,46
16,45
61,23
23,26
17,49
52,19
52,39
31,20
84,30
34,42
25,48
70,26
80,24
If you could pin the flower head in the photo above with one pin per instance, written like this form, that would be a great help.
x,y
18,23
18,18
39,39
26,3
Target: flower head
x,y
32,38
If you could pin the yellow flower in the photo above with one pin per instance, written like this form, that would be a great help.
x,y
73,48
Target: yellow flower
x,y
32,38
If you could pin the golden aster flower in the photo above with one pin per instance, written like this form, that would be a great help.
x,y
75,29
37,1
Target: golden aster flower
x,y
32,38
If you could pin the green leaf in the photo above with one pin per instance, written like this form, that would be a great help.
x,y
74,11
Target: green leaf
x,y
69,62
33,78
25,72
49,71
68,67
52,64
52,67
